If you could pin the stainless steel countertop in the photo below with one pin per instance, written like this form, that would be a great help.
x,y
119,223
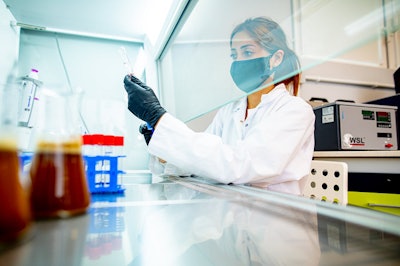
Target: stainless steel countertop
x,y
188,221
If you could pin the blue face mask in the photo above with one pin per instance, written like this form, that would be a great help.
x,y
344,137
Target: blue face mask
x,y
248,75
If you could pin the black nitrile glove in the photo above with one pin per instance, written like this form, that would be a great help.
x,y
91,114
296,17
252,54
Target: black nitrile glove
x,y
147,133
142,101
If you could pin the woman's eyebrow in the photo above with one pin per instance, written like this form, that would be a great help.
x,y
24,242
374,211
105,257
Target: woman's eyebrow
x,y
246,46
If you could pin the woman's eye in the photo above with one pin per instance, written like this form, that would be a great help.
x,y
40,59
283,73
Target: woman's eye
x,y
234,56
247,53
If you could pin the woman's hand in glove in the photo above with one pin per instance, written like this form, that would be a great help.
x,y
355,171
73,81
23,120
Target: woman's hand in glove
x,y
147,133
142,101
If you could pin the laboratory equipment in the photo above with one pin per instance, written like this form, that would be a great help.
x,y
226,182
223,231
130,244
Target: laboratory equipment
x,y
15,214
107,178
396,79
125,60
393,100
352,126
30,85
103,163
327,182
59,185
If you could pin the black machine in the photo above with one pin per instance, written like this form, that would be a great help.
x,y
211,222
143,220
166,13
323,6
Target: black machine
x,y
396,77
393,100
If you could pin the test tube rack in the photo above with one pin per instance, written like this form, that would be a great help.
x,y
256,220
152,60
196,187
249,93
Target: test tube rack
x,y
103,174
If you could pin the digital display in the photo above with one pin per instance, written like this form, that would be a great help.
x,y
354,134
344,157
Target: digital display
x,y
368,115
383,117
385,135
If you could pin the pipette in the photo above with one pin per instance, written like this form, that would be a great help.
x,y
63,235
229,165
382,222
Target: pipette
x,y
125,60
128,66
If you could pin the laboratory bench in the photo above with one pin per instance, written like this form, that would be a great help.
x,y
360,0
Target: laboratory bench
x,y
192,221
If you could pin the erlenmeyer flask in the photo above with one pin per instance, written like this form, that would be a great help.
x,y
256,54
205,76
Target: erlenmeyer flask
x,y
15,214
59,184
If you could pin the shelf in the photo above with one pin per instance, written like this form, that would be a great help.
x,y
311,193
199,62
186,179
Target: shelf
x,y
364,161
362,154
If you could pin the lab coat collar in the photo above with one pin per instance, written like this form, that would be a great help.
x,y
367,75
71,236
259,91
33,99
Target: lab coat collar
x,y
239,108
278,91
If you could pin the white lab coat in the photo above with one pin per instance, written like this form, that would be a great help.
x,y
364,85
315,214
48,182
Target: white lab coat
x,y
271,149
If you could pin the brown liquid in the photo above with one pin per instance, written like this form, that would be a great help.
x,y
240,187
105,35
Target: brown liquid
x,y
15,215
59,184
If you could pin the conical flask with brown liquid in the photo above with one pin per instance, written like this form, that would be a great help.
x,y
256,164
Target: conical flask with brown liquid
x,y
15,213
59,183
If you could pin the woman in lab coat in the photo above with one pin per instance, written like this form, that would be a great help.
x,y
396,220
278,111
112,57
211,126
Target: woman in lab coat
x,y
265,139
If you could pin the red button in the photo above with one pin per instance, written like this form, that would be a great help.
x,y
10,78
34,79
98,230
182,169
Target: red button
x,y
388,145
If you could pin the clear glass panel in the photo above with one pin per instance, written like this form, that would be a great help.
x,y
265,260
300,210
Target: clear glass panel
x,y
195,70
95,70
347,30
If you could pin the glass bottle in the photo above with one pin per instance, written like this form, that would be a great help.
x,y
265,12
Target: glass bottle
x,y
15,214
59,184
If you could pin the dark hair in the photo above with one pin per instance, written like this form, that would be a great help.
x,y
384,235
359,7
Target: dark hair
x,y
271,37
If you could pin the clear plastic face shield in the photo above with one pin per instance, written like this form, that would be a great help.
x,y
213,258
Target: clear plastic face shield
x,y
198,74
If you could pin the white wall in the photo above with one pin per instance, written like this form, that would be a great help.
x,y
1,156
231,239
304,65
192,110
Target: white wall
x,y
8,71
9,43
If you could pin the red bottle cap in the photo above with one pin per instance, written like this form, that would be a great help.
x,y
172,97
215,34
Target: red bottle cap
x,y
108,140
87,139
98,139
119,140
